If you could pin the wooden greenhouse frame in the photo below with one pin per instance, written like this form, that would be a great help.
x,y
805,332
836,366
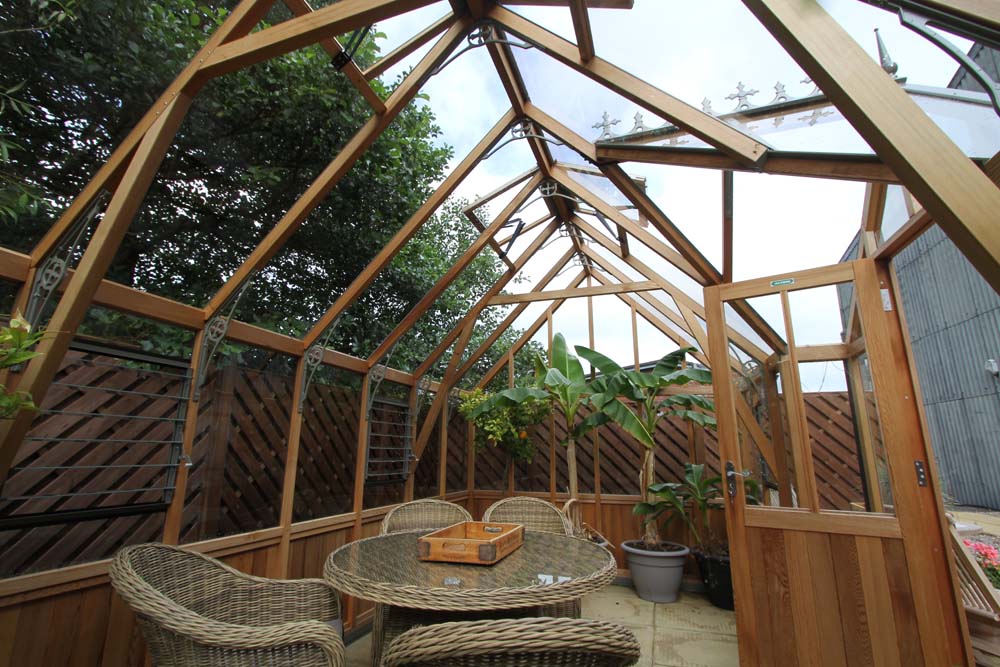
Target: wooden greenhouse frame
x,y
953,191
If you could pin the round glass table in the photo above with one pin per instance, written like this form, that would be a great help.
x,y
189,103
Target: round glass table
x,y
546,569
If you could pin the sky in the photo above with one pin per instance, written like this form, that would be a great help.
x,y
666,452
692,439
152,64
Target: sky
x,y
695,51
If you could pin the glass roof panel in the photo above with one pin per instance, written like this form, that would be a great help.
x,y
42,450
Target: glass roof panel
x,y
237,166
779,226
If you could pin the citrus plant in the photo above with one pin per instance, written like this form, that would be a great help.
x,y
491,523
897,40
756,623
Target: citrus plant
x,y
506,426
16,343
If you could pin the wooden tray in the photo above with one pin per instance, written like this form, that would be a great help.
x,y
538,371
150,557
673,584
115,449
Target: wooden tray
x,y
474,542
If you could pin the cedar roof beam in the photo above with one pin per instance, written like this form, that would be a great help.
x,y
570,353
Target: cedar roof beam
x,y
240,21
702,125
433,357
406,48
839,166
664,251
293,34
515,313
530,297
478,224
334,48
647,272
528,333
688,250
581,25
593,4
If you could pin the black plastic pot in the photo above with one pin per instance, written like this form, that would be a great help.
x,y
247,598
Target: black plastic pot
x,y
718,579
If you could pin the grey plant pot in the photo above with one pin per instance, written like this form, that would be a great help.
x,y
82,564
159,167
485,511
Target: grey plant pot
x,y
656,575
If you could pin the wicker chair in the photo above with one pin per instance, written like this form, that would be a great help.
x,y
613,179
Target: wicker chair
x,y
544,517
427,513
195,611
390,622
532,513
524,642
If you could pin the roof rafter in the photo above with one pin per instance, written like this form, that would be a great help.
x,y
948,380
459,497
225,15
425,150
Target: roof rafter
x,y
581,25
495,335
573,293
296,33
526,256
528,333
456,269
240,21
334,48
675,293
403,50
840,166
957,194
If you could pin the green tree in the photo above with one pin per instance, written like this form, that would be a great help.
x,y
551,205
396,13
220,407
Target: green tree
x,y
252,142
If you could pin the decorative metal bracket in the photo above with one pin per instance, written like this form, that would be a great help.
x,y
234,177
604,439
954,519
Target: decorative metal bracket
x,y
376,375
313,360
483,34
53,269
522,129
344,58
214,333
923,25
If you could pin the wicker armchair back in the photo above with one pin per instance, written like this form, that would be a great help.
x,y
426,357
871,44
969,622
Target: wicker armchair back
x,y
196,611
516,642
532,513
426,513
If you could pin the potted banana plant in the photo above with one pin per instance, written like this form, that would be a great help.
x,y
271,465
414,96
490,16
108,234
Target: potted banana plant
x,y
636,402
692,500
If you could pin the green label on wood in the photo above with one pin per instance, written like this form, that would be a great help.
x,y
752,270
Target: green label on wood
x,y
782,282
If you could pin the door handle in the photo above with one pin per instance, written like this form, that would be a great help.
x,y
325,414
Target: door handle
x,y
731,476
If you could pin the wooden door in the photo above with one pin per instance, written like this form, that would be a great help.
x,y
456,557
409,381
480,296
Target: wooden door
x,y
838,547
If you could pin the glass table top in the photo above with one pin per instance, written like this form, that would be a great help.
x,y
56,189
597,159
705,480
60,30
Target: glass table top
x,y
546,567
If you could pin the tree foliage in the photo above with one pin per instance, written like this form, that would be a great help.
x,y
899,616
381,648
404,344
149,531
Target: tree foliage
x,y
251,144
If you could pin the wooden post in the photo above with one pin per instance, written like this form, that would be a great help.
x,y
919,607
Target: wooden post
x,y
510,459
727,226
411,478
172,522
79,293
595,439
291,467
552,417
442,454
360,465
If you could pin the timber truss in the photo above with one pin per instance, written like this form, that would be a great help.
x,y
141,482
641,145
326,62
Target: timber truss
x,y
911,150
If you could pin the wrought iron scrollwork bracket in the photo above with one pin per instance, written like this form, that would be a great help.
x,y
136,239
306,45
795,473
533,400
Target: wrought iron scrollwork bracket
x,y
214,333
53,269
